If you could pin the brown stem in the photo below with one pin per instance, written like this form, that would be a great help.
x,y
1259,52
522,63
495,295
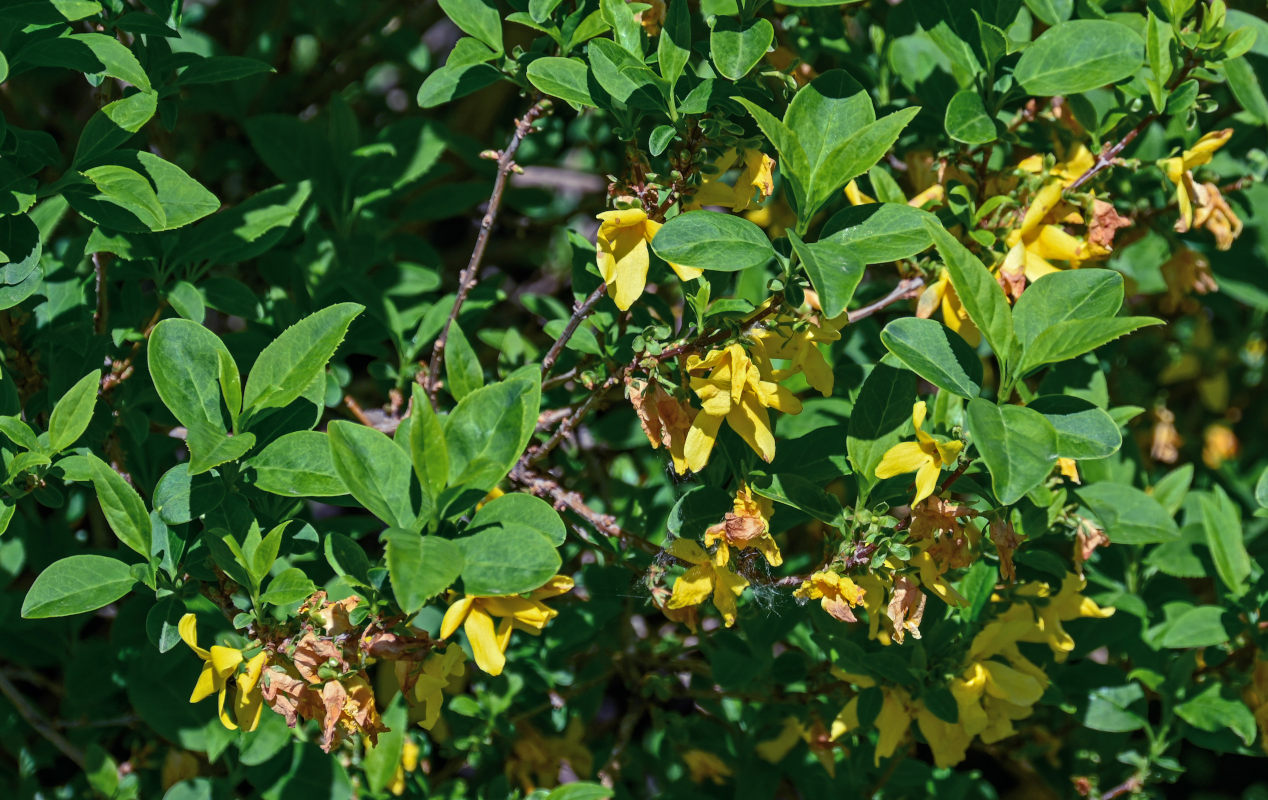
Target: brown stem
x,y
703,342
467,278
39,722
1109,155
99,263
579,313
549,489
906,288
570,423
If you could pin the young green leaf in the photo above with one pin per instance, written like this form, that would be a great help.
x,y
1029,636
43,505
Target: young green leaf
x,y
421,567
508,559
714,241
77,584
73,412
291,361
935,353
463,373
376,471
1017,444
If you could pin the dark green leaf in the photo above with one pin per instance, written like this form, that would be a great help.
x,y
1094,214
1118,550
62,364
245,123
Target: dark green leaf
x,y
73,412
1083,430
981,296
524,510
1018,445
1127,514
490,428
508,559
296,357
375,471
421,567
935,353
1202,626
737,48
77,584
881,232
1079,55
463,374
833,271
714,241
297,464
565,78
1109,709
881,413
1222,521
478,18
967,120
1212,711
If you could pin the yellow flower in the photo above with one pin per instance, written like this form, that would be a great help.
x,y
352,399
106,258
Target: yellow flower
x,y
1179,170
178,765
651,18
836,593
408,763
623,256
537,761
1038,242
220,665
705,766
934,193
774,750
440,671
926,456
930,573
755,179
735,391
707,576
1078,161
747,525
475,614
796,345
941,294
892,722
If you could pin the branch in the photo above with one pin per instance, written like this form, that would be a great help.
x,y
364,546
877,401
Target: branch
x,y
1109,155
579,313
570,423
561,498
467,278
37,721
906,288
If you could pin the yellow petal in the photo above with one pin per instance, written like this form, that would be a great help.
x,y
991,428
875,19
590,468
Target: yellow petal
x,y
846,720
926,480
1045,200
750,420
225,660
484,642
688,551
891,724
188,628
207,684
693,587
251,675
1009,684
560,584
918,413
247,706
455,615
901,458
624,269
225,719
948,452
700,440
949,742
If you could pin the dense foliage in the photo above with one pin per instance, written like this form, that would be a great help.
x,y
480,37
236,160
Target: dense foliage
x,y
582,398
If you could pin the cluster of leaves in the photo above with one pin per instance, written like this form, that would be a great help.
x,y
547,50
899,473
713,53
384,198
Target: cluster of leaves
x,y
264,376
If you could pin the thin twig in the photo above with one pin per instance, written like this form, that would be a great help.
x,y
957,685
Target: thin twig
x,y
355,409
38,721
549,489
906,288
578,314
570,423
1109,155
467,278
704,342
99,318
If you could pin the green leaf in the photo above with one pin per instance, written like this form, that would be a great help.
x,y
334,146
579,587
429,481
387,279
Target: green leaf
x,y
624,76
129,190
565,78
881,414
625,28
967,119
936,353
21,249
1073,338
451,83
463,374
1222,522
187,301
185,363
184,200
1079,55
980,294
296,357
580,790
524,510
477,18
180,497
77,584
673,49
376,471
246,230
540,10
1211,711
1109,709
73,412
297,464
421,567
19,433
221,69
833,271
1017,444
210,447
1261,489
855,156
794,164
346,557
829,109
1066,296
265,552
289,586
1127,514
1083,429
428,451
1051,12
489,429
713,240
114,124
114,57
1201,626
162,623
507,559
796,492
737,48
121,505
383,759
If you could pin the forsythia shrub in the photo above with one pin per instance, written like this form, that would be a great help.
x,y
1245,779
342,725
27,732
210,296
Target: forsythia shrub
x,y
681,398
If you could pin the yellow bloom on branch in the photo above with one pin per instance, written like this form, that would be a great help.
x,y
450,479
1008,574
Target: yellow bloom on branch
x,y
747,525
441,671
708,575
837,594
926,456
475,614
1179,170
623,256
941,294
798,344
754,184
705,766
735,390
220,665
